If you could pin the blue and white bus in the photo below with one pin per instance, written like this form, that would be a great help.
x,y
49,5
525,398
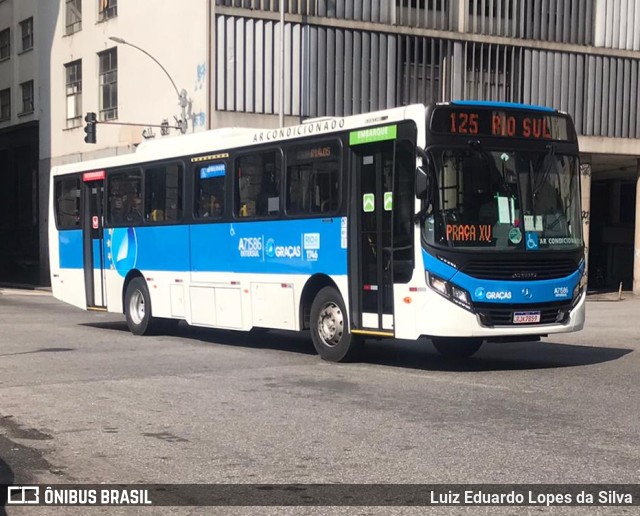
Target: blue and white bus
x,y
459,222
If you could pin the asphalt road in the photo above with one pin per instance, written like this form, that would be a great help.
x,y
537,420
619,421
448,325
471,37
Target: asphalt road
x,y
84,401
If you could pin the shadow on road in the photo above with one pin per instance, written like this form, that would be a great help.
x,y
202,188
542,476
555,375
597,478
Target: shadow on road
x,y
258,338
418,355
6,477
491,357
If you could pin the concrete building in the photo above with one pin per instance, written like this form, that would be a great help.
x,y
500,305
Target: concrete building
x,y
343,57
132,82
19,113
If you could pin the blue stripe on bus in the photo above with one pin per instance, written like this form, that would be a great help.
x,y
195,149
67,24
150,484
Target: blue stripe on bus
x,y
157,248
292,246
295,247
506,292
502,105
70,249
96,253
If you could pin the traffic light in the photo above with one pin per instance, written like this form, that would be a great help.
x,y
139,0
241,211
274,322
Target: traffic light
x,y
90,128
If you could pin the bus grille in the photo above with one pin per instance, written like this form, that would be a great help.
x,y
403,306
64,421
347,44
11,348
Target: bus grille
x,y
520,270
502,315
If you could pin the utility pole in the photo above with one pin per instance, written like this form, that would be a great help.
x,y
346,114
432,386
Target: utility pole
x,y
183,97
282,63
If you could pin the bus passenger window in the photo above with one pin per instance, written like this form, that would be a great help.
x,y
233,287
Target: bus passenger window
x,y
163,193
259,184
209,202
124,206
68,202
313,178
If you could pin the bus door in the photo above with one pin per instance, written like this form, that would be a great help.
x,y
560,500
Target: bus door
x,y
93,234
371,264
381,231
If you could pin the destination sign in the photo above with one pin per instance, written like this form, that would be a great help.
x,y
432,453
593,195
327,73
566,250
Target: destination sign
x,y
315,153
507,123
469,232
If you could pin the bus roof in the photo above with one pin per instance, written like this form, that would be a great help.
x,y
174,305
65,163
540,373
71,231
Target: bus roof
x,y
214,140
502,105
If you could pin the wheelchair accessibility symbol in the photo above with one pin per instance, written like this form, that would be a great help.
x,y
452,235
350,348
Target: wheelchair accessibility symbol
x,y
532,241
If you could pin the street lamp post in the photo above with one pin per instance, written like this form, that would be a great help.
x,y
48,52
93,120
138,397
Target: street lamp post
x,y
183,98
282,97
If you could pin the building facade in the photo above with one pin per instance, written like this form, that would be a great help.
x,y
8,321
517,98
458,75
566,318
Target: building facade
x,y
343,57
127,62
19,129
336,58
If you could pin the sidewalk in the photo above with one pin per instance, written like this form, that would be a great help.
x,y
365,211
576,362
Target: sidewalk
x,y
22,289
611,296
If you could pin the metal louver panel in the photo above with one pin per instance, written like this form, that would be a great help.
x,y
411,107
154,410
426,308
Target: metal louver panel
x,y
336,70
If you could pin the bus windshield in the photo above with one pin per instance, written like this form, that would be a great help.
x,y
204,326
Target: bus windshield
x,y
505,200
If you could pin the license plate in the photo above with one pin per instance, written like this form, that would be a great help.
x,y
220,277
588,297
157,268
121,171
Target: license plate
x,y
526,317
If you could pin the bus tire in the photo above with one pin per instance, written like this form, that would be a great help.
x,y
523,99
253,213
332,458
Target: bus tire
x,y
457,347
330,327
137,308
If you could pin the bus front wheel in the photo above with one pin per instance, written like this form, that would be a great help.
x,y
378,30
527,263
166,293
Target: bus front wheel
x,y
330,327
137,308
457,347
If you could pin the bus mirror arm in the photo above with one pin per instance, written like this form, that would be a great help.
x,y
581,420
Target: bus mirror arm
x,y
420,217
423,154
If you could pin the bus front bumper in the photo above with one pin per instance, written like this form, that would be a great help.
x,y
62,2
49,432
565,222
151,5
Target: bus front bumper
x,y
438,317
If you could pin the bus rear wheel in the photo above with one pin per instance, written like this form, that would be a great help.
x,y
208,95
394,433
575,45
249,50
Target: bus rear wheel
x,y
137,308
457,347
330,327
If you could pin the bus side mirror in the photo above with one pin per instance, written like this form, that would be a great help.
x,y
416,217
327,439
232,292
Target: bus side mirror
x,y
422,183
424,176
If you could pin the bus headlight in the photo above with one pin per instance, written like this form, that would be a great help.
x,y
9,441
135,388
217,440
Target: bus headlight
x,y
450,291
460,296
582,284
439,285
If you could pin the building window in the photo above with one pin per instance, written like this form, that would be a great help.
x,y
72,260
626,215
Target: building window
x,y
5,44
27,97
5,104
107,9
73,75
74,16
27,34
108,84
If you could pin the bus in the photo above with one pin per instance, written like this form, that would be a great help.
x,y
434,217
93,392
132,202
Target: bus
x,y
458,222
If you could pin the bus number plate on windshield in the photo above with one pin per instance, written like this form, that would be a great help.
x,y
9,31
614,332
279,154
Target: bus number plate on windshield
x,y
526,317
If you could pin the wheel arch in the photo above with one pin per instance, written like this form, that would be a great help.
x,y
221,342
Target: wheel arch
x,y
314,284
133,273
